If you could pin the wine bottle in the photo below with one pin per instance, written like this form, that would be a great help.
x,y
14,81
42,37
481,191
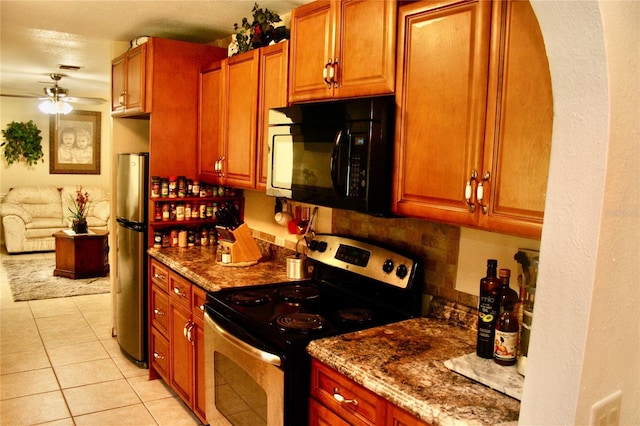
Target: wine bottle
x,y
488,307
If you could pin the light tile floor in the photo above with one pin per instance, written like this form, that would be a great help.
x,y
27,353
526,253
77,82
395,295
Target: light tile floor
x,y
59,365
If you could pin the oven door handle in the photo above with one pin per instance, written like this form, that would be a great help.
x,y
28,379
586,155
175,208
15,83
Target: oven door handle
x,y
248,349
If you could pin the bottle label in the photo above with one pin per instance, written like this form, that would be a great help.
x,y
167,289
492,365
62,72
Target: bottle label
x,y
506,345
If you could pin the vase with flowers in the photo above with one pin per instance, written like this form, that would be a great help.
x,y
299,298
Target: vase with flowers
x,y
79,212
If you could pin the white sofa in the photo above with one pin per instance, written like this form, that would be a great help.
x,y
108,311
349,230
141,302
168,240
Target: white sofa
x,y
31,214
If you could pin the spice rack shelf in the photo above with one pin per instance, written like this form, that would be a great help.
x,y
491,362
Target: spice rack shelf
x,y
209,221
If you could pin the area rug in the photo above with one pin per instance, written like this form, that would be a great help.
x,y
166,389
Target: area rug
x,y
33,280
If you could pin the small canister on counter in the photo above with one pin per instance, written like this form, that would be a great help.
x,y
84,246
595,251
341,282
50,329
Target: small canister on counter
x,y
204,237
182,238
155,186
191,238
173,235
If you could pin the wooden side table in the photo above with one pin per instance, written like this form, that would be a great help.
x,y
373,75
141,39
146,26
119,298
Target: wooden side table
x,y
82,255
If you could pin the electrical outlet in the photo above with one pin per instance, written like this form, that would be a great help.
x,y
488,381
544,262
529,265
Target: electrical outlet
x,y
280,241
606,412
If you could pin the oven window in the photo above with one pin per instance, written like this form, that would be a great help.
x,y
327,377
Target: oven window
x,y
238,397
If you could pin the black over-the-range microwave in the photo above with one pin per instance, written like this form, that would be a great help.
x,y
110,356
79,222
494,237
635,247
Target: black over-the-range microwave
x,y
334,154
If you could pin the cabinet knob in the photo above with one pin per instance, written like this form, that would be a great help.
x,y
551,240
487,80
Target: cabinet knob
x,y
341,399
177,291
156,355
158,312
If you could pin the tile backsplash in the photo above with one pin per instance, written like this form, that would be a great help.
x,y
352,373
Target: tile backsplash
x,y
437,244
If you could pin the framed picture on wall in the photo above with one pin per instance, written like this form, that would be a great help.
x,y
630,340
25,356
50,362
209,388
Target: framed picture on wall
x,y
74,143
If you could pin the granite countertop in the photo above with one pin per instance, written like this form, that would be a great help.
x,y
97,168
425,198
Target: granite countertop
x,y
198,264
404,363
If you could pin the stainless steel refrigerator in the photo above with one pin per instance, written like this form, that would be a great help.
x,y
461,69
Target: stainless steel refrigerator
x,y
131,282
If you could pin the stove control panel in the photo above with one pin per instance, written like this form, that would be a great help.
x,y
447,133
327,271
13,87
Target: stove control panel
x,y
366,259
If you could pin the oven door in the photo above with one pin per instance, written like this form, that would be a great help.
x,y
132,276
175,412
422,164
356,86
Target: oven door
x,y
244,385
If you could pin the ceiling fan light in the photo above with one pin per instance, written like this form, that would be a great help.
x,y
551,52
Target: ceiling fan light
x,y
55,107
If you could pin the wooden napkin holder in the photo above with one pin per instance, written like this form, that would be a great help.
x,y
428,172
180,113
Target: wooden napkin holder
x,y
244,248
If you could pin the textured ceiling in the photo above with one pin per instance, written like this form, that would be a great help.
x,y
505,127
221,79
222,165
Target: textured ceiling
x,y
37,36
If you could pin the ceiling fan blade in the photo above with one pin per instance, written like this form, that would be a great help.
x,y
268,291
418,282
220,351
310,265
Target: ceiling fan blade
x,y
85,100
9,95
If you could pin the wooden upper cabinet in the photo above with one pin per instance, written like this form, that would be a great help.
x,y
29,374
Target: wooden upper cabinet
x,y
240,94
473,128
342,49
235,97
273,68
519,123
210,122
442,73
128,79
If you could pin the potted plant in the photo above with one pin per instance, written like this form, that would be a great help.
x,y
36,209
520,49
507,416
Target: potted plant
x,y
22,141
261,32
79,212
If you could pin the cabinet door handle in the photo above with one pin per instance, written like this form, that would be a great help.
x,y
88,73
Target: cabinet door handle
x,y
468,191
480,192
158,312
325,73
157,355
159,276
333,72
189,332
185,328
177,291
341,399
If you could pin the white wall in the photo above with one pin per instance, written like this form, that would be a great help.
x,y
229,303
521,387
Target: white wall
x,y
20,109
585,341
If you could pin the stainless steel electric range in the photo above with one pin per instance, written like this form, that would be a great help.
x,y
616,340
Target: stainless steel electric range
x,y
257,368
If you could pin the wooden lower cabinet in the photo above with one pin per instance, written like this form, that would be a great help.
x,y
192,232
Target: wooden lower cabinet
x,y
176,311
338,400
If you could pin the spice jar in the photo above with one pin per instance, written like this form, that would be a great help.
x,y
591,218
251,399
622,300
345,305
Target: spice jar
x,y
164,187
155,186
157,216
204,237
180,212
173,187
196,188
157,239
182,187
166,212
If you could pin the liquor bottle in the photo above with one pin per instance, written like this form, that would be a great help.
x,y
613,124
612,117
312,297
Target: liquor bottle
x,y
488,308
506,335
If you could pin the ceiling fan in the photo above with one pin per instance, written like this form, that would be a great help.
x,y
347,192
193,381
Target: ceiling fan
x,y
57,100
